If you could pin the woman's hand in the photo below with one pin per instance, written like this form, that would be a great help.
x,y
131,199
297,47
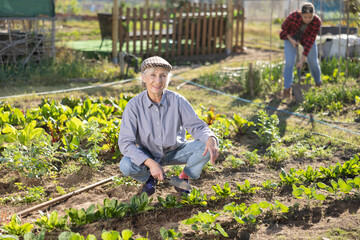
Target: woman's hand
x,y
155,169
301,62
211,146
293,42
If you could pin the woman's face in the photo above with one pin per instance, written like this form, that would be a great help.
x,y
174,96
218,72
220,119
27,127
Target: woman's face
x,y
155,80
307,17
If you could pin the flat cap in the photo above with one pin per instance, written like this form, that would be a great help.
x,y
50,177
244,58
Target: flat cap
x,y
155,61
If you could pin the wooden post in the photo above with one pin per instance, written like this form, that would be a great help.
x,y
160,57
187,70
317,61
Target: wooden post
x,y
122,63
115,31
271,19
229,27
347,7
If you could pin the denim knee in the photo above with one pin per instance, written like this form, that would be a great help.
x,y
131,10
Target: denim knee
x,y
125,166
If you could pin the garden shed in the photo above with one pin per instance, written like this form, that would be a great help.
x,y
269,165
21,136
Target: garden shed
x,y
27,30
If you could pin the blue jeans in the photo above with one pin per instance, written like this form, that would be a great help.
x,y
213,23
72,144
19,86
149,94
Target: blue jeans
x,y
290,57
190,153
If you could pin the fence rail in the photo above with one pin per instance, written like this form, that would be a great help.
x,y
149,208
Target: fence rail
x,y
193,30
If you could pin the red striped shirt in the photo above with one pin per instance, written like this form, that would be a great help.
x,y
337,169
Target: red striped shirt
x,y
292,25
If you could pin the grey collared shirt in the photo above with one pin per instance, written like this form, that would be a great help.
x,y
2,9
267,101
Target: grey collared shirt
x,y
158,128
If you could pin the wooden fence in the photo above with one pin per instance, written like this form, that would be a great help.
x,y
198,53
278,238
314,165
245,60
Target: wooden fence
x,y
193,30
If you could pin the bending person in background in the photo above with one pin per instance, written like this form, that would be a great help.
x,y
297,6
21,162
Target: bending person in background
x,y
300,27
153,128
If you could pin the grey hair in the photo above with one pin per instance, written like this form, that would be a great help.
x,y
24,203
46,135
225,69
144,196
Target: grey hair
x,y
150,70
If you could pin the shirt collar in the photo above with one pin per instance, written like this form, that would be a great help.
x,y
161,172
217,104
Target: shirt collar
x,y
163,101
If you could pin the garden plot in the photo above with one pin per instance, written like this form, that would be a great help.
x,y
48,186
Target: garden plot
x,y
275,177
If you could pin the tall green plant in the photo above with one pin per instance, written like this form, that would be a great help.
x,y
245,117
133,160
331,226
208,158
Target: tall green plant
x,y
267,129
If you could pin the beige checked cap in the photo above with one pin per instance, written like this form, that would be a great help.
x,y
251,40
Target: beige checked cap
x,y
155,61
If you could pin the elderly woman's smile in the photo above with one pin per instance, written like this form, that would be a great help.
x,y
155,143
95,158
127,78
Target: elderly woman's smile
x,y
155,80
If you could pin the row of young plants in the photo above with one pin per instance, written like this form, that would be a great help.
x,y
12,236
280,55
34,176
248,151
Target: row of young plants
x,y
349,168
332,98
35,142
205,222
266,77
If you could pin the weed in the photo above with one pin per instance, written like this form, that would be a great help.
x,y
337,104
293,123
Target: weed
x,y
277,153
129,181
252,157
234,161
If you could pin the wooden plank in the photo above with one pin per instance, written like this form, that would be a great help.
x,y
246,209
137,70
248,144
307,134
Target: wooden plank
x,y
167,49
198,30
175,30
216,26
148,30
221,31
229,28
121,30
161,17
115,35
193,19
127,27
210,28
204,30
141,18
187,22
180,27
242,26
153,18
237,47
134,30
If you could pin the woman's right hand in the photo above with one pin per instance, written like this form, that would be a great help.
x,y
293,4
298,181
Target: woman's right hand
x,y
155,169
293,42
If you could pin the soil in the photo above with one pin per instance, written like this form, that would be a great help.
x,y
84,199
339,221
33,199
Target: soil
x,y
303,222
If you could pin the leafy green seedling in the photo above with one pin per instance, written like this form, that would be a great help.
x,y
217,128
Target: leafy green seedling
x,y
269,185
205,222
52,221
246,188
194,198
169,234
169,202
140,204
74,236
15,227
309,192
222,192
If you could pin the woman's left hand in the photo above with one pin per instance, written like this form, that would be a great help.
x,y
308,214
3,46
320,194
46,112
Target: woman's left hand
x,y
211,147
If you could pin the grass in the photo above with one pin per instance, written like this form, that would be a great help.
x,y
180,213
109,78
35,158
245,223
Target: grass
x,y
257,34
342,234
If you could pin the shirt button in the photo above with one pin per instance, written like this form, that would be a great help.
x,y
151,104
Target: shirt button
x,y
157,123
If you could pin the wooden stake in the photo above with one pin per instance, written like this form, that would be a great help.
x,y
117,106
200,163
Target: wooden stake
x,y
64,197
115,31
